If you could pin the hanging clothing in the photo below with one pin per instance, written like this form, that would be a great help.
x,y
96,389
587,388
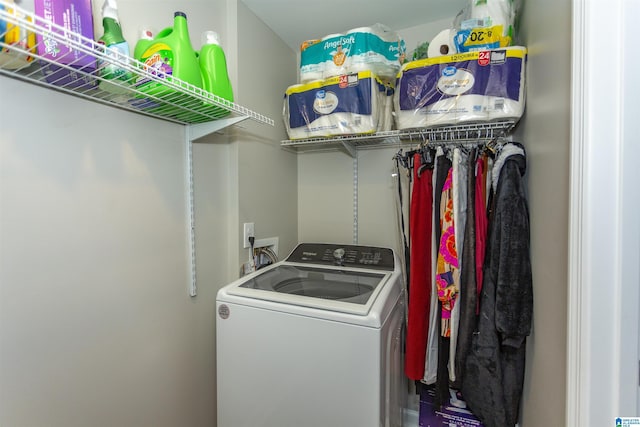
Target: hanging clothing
x,y
494,371
447,277
460,179
431,359
420,266
467,300
400,212
481,222
442,377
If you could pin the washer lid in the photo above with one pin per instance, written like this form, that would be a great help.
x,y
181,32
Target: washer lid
x,y
340,285
333,288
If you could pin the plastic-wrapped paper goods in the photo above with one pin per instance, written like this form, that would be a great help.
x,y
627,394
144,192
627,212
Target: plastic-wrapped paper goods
x,y
357,103
463,88
376,49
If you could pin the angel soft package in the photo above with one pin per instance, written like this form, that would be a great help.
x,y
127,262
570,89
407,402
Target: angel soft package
x,y
376,49
358,103
463,88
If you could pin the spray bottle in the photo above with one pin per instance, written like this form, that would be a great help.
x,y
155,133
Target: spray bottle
x,y
116,78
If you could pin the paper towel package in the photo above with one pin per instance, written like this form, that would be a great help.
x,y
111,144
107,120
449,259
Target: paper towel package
x,y
463,88
487,24
376,49
74,16
350,104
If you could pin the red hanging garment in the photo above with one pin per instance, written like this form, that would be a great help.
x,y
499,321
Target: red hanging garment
x,y
420,230
481,224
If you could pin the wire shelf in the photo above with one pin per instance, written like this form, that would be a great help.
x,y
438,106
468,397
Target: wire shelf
x,y
25,55
442,134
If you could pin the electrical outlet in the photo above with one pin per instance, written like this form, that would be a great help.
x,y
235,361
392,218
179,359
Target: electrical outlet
x,y
247,268
249,231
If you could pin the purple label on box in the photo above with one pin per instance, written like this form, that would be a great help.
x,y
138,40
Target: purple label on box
x,y
75,16
454,414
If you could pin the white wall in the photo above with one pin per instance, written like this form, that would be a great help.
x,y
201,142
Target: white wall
x,y
96,325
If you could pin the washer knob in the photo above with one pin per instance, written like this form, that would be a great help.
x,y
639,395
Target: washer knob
x,y
338,254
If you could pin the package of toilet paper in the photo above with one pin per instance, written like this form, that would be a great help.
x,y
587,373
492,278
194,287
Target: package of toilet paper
x,y
485,24
349,104
470,87
376,49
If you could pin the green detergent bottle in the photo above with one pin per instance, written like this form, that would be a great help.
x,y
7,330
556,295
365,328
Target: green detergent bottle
x,y
213,65
143,43
170,55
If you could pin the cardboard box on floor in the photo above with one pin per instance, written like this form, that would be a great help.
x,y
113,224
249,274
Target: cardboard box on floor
x,y
454,414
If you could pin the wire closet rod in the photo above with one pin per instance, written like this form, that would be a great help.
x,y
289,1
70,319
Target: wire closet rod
x,y
456,135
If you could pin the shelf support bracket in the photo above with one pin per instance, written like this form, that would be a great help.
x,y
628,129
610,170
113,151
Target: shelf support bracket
x,y
351,149
191,227
194,132
200,130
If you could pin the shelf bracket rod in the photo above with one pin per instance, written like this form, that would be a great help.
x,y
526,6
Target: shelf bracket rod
x,y
191,227
350,148
200,130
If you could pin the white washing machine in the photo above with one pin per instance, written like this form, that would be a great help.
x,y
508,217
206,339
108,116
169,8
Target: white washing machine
x,y
314,340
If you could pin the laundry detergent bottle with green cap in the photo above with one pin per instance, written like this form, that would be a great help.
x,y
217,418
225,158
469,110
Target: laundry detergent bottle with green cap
x,y
114,77
143,43
213,65
170,56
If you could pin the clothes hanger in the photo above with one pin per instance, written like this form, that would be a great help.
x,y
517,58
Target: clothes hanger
x,y
495,145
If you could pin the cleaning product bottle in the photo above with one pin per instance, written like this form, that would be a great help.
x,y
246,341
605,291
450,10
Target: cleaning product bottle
x,y
170,55
143,43
3,26
19,37
213,65
116,78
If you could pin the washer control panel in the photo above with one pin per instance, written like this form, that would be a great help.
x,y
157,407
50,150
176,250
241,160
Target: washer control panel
x,y
370,257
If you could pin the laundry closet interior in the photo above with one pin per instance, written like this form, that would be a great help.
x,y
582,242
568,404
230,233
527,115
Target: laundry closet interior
x,y
117,229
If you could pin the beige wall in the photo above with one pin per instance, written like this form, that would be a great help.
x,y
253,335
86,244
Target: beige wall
x,y
326,197
545,132
96,324
266,173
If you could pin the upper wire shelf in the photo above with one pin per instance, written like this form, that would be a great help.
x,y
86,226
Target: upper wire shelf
x,y
177,101
441,134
